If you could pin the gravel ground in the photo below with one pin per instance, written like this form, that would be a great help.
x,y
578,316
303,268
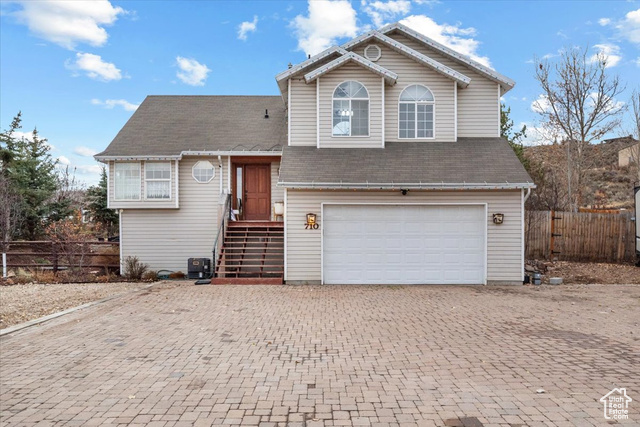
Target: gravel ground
x,y
21,303
593,273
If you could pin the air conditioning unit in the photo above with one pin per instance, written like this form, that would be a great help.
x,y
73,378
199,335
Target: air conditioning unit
x,y
199,268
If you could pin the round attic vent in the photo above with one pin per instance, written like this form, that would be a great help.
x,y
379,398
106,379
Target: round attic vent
x,y
372,52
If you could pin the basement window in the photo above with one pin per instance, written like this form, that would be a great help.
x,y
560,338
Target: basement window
x,y
203,171
157,180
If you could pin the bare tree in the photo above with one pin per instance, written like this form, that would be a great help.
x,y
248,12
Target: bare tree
x,y
635,122
10,214
578,105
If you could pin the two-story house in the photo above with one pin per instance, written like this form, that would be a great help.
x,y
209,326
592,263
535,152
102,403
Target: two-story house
x,y
381,162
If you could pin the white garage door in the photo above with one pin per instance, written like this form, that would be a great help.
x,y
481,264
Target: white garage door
x,y
404,244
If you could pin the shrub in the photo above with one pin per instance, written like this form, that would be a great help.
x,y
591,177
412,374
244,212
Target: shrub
x,y
176,275
71,240
134,269
44,276
150,276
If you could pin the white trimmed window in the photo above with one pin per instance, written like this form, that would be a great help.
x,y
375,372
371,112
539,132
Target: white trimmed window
x,y
127,181
203,171
157,180
350,110
416,113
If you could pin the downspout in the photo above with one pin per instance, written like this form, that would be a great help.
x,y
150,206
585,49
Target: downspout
x,y
526,196
120,241
220,166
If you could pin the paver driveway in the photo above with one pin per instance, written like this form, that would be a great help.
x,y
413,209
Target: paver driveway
x,y
179,354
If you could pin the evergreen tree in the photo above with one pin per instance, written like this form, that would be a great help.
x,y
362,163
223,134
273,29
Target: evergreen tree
x,y
514,138
97,205
8,144
32,174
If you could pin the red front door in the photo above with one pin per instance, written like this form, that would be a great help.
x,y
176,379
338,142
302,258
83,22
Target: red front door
x,y
257,192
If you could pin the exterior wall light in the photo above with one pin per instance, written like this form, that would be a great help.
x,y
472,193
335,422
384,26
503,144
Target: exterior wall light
x,y
312,223
311,219
498,218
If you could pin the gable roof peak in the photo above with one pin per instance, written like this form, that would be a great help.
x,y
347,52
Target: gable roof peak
x,y
505,82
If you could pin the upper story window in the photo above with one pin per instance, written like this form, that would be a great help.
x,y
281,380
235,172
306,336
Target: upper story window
x,y
157,180
127,181
416,113
203,171
350,110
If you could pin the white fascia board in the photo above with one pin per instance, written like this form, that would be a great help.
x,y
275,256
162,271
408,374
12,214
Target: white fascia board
x,y
461,79
389,76
320,56
506,83
190,153
282,78
403,186
136,158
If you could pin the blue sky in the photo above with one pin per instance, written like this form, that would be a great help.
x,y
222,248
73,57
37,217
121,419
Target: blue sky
x,y
78,69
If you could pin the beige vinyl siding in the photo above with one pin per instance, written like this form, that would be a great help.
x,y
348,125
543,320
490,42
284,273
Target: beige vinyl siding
x,y
166,238
328,84
478,104
171,203
504,251
277,193
302,113
411,72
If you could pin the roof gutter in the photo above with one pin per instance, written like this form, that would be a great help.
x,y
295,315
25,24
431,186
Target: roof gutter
x,y
404,186
190,153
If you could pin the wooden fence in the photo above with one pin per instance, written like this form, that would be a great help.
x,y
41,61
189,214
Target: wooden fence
x,y
48,255
569,236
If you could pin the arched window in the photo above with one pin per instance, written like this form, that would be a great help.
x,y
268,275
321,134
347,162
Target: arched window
x,y
350,110
416,118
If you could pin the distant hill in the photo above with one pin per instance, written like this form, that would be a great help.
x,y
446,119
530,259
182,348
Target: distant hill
x,y
608,186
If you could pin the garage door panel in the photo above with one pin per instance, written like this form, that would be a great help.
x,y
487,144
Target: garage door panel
x,y
404,244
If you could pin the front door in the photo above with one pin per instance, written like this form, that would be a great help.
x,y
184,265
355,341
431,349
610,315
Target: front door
x,y
257,192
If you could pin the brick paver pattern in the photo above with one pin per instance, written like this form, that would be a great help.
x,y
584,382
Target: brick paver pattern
x,y
182,355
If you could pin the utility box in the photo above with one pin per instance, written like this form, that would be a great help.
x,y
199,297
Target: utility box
x,y
199,268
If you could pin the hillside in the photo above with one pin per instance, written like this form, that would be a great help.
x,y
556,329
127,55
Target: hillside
x,y
607,185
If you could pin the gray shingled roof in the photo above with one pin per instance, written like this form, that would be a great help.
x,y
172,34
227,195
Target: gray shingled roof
x,y
169,125
488,162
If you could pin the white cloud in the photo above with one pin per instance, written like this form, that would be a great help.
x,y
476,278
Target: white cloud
x,y
541,104
604,21
85,151
607,51
629,27
536,135
428,2
381,12
453,36
611,104
68,23
28,136
638,61
328,20
64,161
191,71
89,169
94,67
111,103
247,27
